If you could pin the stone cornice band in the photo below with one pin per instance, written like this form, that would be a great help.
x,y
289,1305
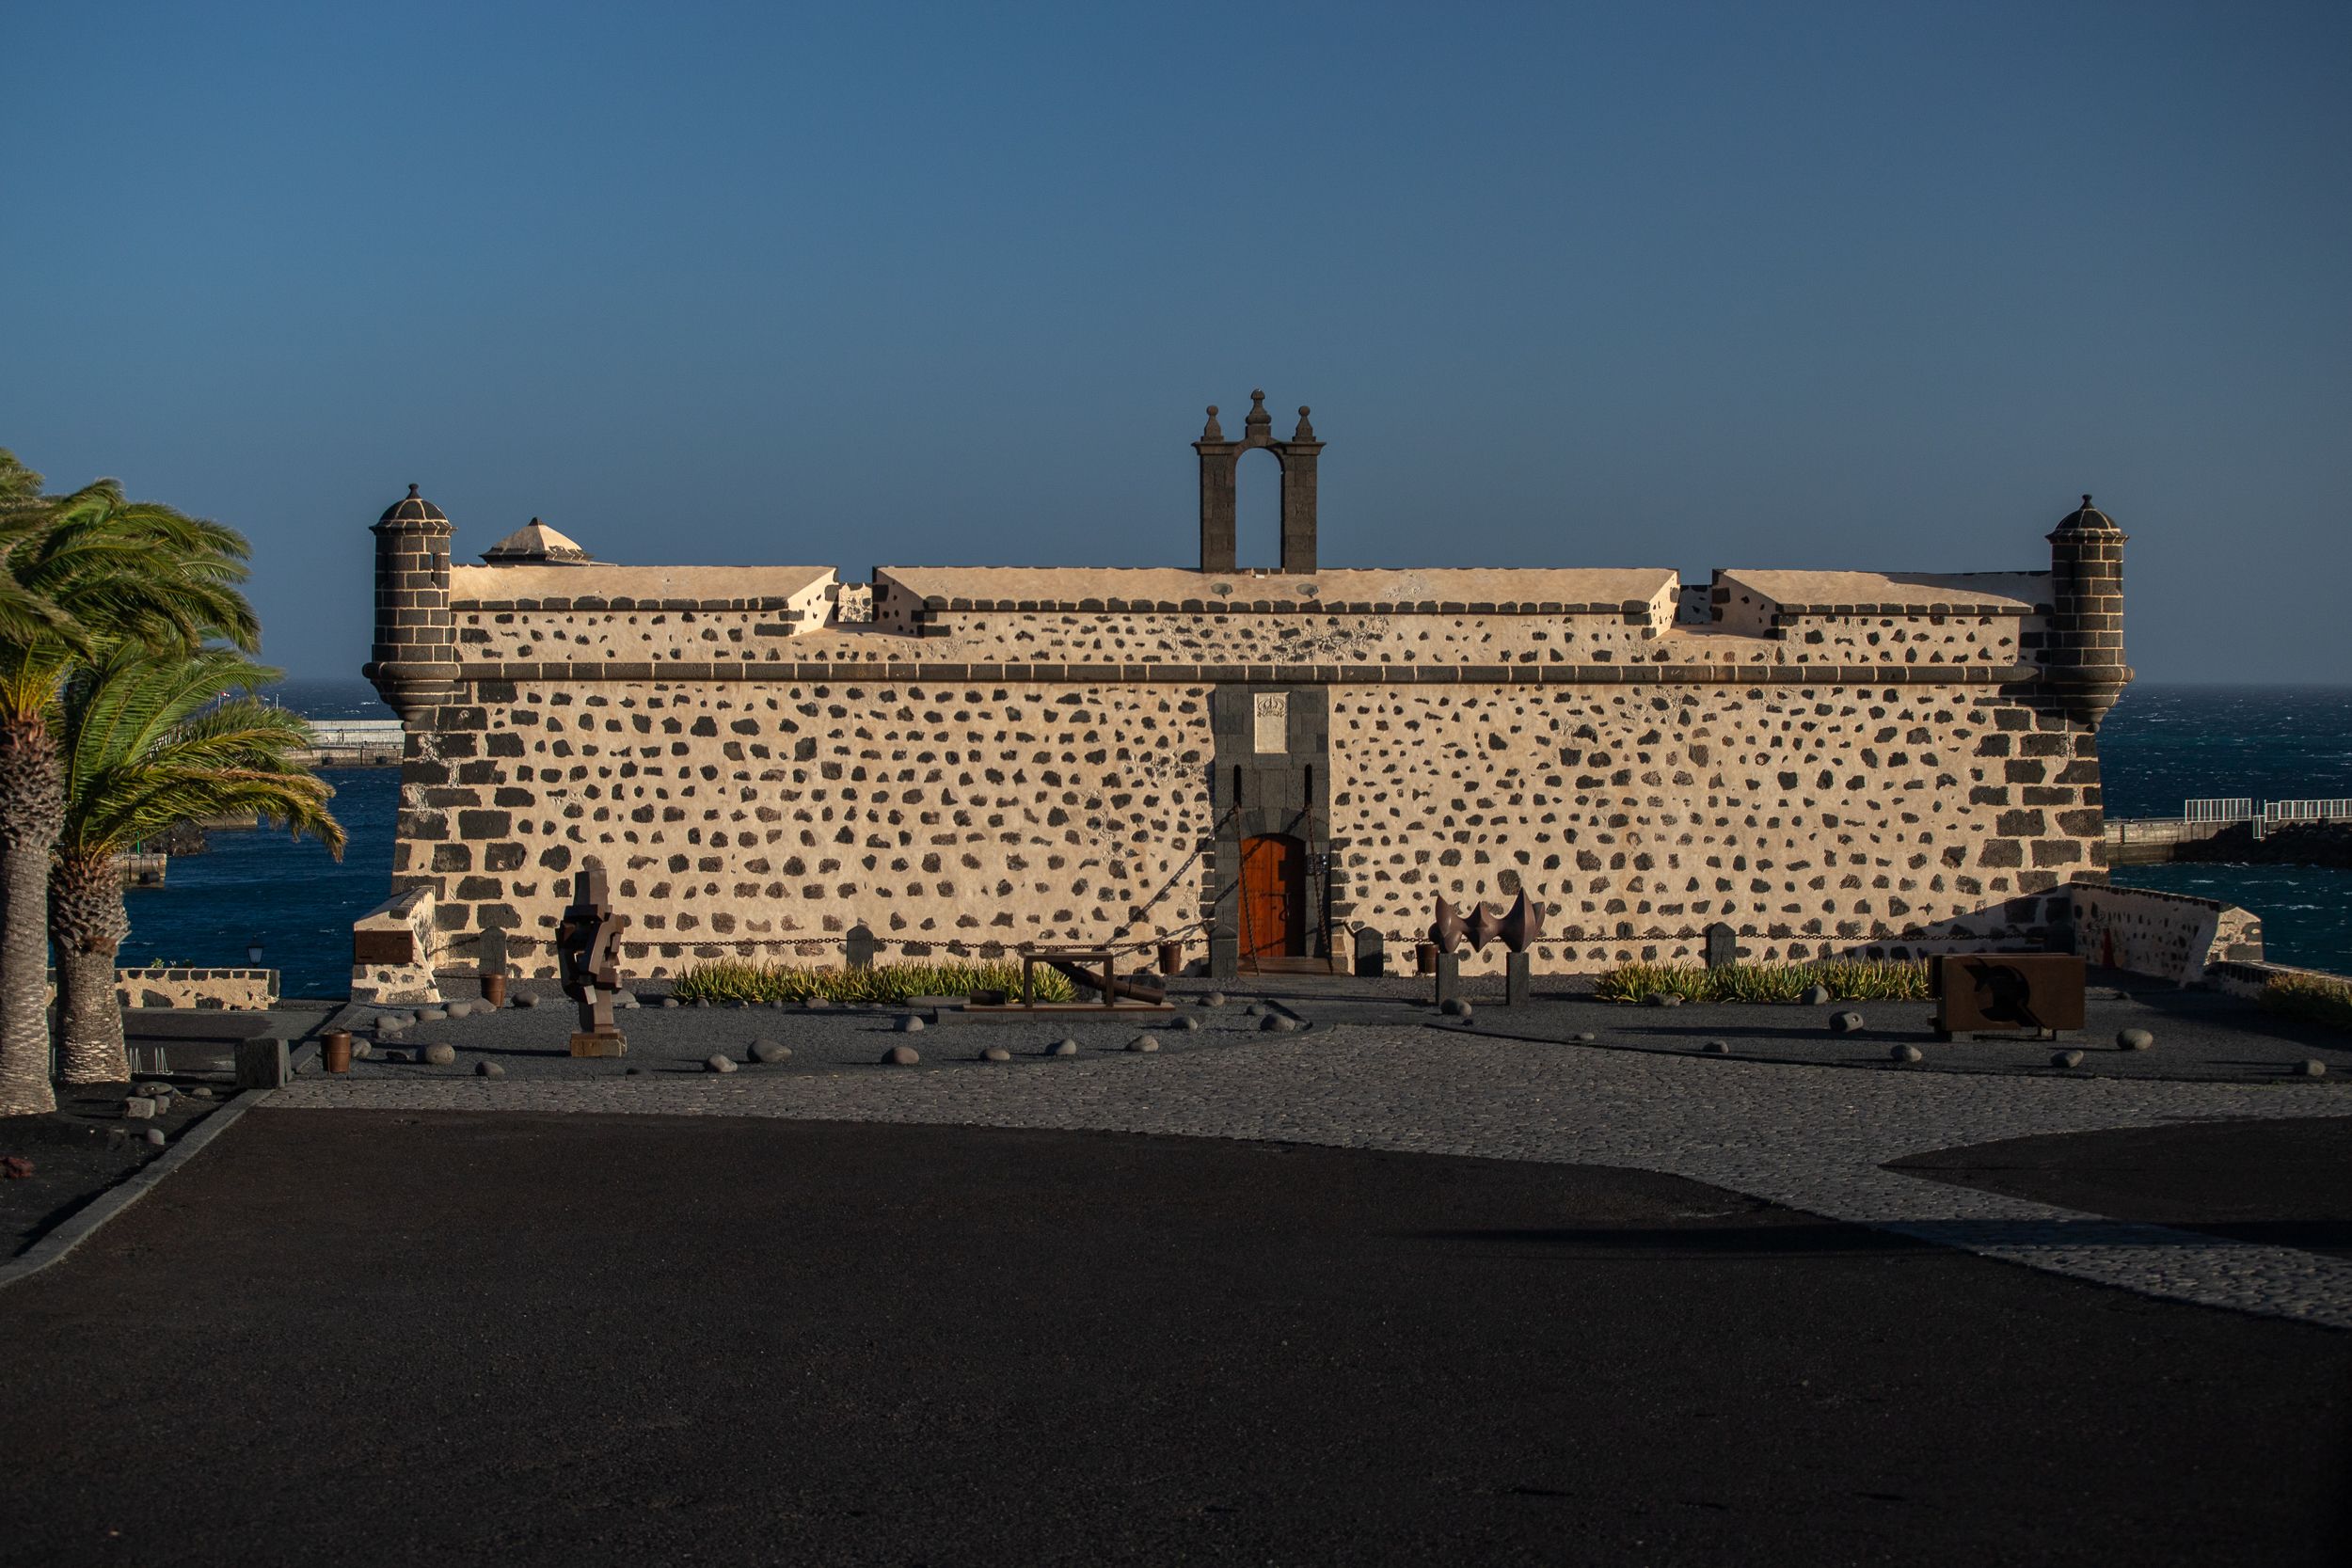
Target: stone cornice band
x,y
783,671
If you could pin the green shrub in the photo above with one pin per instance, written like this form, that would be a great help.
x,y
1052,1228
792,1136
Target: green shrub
x,y
1848,979
2312,998
735,980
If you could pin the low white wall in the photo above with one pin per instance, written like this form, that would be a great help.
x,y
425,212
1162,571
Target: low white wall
x,y
2171,936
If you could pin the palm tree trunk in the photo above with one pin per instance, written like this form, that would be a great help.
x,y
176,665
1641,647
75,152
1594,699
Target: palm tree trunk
x,y
87,925
32,808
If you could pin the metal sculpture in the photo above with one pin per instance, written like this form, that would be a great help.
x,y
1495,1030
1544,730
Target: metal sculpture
x,y
587,951
1518,929
1449,931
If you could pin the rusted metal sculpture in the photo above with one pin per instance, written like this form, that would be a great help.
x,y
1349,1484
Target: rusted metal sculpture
x,y
588,951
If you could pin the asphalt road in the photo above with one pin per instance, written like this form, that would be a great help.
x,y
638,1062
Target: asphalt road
x,y
359,1337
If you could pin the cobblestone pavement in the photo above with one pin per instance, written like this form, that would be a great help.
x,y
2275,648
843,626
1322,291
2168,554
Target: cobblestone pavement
x,y
1812,1138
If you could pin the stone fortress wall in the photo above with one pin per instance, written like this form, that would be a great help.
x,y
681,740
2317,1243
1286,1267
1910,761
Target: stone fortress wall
x,y
1830,762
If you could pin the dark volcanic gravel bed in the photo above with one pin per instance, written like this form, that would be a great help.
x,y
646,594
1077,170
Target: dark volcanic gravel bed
x,y
78,1152
534,1041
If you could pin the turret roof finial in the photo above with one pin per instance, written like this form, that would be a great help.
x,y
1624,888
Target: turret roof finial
x,y
1259,418
1305,431
1213,431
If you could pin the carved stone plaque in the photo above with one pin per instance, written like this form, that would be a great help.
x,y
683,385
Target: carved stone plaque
x,y
1273,711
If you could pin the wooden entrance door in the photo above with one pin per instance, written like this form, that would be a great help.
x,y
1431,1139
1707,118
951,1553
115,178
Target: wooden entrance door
x,y
1272,919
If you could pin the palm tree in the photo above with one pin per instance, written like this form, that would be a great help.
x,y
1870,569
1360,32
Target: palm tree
x,y
148,741
77,573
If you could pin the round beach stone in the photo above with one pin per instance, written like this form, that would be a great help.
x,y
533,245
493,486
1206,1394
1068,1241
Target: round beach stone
x,y
1845,1024
1275,1024
526,999
996,1054
2134,1040
770,1051
1143,1042
488,1070
430,1015
1183,1023
1062,1047
1817,996
397,1056
1719,1048
155,1136
1904,1054
818,1004
1453,1007
155,1091
669,1002
201,1092
719,1062
440,1054
901,1055
1215,999
2313,1068
2066,1058
1586,1038
1664,998
909,1025
459,1009
1253,1010
362,1050
625,1002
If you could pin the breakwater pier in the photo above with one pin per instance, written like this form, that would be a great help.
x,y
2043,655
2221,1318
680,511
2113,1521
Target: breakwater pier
x,y
2239,831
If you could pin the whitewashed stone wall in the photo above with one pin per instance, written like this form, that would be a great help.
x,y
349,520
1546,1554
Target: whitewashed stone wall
x,y
2170,935
1812,819
738,818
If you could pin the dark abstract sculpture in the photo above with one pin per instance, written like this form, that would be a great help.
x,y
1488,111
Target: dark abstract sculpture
x,y
587,949
1518,930
1449,931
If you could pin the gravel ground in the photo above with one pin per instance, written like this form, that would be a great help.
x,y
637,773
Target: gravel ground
x,y
1812,1137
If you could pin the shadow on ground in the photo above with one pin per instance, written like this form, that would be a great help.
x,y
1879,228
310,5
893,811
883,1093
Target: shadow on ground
x,y
350,1336
2286,1182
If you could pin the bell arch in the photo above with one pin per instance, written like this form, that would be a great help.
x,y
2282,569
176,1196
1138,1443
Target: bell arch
x,y
1219,459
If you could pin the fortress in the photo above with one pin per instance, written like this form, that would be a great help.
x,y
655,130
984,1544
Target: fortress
x,y
1267,768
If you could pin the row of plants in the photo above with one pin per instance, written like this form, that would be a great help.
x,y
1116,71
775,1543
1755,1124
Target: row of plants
x,y
735,980
1846,979
127,703
2311,998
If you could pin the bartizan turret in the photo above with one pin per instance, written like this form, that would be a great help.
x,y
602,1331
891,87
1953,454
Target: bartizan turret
x,y
413,661
2082,664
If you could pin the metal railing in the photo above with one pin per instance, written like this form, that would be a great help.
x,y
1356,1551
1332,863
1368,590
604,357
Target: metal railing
x,y
2235,808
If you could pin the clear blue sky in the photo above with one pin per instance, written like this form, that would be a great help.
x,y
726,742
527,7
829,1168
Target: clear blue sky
x,y
1872,285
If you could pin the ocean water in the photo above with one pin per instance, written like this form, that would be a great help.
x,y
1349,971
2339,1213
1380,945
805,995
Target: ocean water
x,y
2160,746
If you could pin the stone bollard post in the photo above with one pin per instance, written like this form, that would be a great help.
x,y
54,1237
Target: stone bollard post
x,y
1449,977
1517,991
